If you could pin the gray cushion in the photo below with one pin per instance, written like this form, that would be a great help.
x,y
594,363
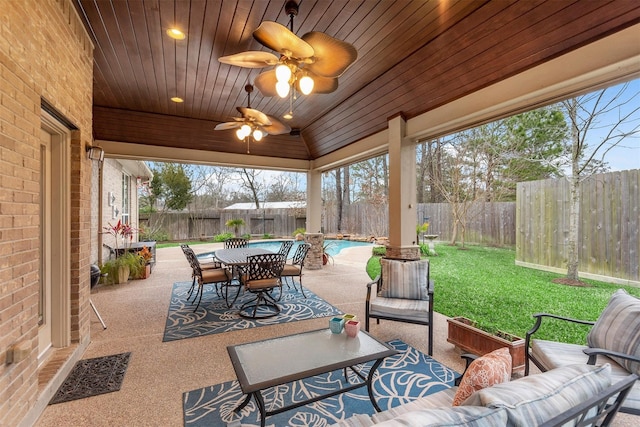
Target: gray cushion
x,y
459,416
618,328
535,399
554,354
404,279
410,309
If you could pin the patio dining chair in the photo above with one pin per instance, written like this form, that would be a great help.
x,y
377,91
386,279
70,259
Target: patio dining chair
x,y
261,277
285,248
219,277
204,266
295,267
614,338
403,293
235,242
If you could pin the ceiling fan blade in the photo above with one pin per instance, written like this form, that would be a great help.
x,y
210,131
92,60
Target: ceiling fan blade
x,y
228,125
250,59
277,127
266,83
279,38
332,56
258,116
321,84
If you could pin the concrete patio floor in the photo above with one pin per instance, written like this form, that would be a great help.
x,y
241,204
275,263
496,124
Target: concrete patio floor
x,y
159,372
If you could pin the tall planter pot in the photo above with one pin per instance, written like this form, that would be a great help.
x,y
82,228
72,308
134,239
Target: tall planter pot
x,y
469,338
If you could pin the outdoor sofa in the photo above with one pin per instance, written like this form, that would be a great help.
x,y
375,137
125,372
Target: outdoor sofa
x,y
552,398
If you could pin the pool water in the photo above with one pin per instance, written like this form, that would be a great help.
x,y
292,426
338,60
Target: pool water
x,y
334,246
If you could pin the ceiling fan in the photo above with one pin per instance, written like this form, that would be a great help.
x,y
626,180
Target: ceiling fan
x,y
253,124
312,63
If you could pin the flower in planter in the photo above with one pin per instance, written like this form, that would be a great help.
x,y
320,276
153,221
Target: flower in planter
x,y
146,254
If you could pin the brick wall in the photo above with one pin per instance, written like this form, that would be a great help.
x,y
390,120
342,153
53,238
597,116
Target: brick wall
x,y
45,53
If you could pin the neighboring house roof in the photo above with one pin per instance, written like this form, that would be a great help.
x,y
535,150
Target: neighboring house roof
x,y
268,205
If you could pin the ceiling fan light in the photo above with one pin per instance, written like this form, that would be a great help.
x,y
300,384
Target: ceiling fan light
x,y
240,134
306,85
257,135
283,89
246,130
283,73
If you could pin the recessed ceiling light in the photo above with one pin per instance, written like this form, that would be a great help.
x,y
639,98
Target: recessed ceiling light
x,y
175,33
177,99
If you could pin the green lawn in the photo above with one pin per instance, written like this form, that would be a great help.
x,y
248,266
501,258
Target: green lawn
x,y
485,285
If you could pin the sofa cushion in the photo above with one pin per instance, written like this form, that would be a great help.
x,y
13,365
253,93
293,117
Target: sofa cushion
x,y
441,399
618,328
485,371
458,416
537,398
404,279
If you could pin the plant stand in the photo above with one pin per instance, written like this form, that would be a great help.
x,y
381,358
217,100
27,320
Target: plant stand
x,y
470,339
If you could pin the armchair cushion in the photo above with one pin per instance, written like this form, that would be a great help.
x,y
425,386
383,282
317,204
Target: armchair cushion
x,y
618,329
537,398
400,308
485,371
408,280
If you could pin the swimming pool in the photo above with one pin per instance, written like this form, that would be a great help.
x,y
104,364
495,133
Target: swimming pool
x,y
333,248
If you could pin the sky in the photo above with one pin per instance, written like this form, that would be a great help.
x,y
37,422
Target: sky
x,y
625,155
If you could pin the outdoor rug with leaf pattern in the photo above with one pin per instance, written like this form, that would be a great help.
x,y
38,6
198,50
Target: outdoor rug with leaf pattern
x,y
213,316
401,378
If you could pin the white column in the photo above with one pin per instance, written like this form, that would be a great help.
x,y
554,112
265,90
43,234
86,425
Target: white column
x,y
314,201
402,193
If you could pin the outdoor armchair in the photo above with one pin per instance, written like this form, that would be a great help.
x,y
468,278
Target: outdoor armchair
x,y
614,338
219,277
260,277
295,267
403,293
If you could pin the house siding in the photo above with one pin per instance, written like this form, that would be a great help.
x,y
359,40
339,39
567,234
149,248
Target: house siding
x,y
45,54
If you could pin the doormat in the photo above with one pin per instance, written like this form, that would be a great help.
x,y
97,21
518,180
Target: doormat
x,y
91,377
400,379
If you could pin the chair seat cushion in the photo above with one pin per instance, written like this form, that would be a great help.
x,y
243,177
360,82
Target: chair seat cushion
x,y
291,270
552,354
407,309
262,284
214,275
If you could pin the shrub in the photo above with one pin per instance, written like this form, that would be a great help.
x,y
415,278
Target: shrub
x,y
379,251
222,237
300,230
267,236
424,249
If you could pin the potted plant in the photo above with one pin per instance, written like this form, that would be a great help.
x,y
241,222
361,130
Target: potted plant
x,y
235,224
124,262
145,259
326,257
464,334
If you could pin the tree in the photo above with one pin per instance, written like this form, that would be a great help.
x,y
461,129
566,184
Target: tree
x,y
172,185
250,181
235,224
598,121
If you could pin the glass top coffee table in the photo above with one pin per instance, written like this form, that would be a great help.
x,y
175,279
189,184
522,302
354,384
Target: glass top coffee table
x,y
263,364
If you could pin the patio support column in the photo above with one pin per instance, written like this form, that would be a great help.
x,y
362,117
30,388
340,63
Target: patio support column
x,y
313,234
402,193
314,201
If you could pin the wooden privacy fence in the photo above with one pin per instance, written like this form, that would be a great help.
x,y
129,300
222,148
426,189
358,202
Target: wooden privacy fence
x,y
488,223
609,223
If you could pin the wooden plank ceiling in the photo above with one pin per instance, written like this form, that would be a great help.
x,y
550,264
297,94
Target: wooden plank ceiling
x,y
413,55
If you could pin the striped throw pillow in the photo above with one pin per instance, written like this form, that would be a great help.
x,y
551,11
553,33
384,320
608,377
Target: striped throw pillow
x,y
404,279
618,328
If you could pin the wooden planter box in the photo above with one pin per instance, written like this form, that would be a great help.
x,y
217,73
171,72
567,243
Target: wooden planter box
x,y
470,339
